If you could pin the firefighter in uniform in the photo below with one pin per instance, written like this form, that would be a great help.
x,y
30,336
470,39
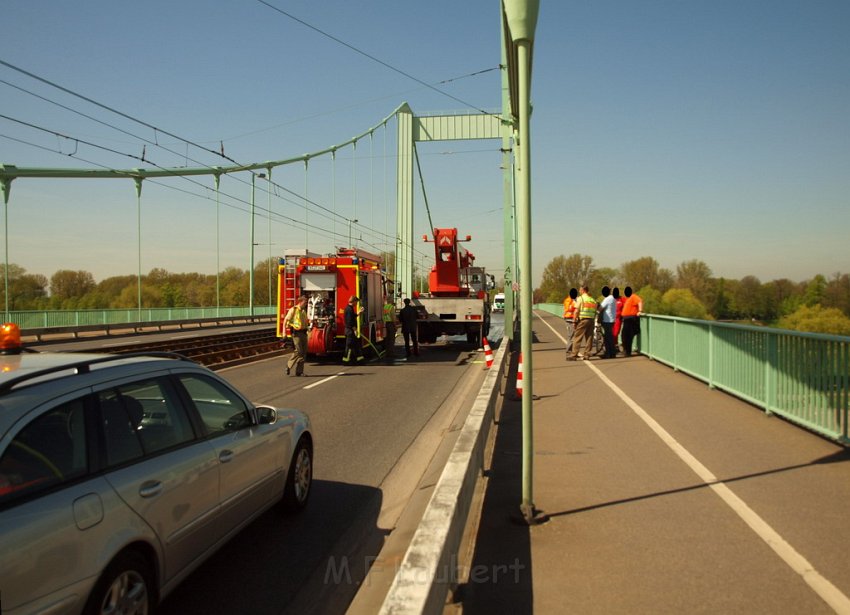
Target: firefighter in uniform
x,y
407,316
389,329
570,313
296,320
586,306
352,338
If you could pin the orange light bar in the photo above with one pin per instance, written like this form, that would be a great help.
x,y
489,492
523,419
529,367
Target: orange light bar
x,y
10,337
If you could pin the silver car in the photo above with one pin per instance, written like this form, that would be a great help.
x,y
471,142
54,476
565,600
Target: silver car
x,y
119,475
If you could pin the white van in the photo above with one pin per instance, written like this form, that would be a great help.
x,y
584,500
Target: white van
x,y
499,302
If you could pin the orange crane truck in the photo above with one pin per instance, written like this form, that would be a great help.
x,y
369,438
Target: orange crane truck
x,y
457,302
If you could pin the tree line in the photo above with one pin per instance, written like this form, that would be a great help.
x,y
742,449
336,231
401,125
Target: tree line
x,y
78,290
819,305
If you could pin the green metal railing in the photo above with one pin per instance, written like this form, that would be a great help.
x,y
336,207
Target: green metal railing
x,y
86,318
804,377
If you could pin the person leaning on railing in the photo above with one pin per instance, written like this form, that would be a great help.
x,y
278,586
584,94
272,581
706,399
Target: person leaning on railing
x,y
632,309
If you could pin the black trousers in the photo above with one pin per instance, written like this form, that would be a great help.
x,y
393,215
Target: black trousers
x,y
631,328
608,336
410,335
352,348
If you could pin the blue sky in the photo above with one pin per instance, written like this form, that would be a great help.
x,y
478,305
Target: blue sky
x,y
675,129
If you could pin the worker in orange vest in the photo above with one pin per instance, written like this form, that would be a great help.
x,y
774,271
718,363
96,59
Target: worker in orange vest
x,y
570,314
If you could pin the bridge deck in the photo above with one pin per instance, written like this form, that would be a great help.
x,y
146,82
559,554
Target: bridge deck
x,y
663,496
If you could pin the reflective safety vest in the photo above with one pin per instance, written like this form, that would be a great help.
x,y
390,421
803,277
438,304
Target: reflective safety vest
x,y
298,322
569,309
588,307
389,312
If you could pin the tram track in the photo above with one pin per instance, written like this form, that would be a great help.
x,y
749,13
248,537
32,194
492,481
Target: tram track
x,y
215,351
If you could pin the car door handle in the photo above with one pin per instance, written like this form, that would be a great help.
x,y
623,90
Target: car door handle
x,y
150,488
225,456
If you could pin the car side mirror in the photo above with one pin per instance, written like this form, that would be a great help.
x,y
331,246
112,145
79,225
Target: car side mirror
x,y
266,415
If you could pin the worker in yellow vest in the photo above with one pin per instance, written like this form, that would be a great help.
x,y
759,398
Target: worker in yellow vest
x,y
570,314
296,319
587,308
389,317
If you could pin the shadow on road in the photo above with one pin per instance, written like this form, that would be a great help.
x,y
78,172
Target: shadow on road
x,y
310,562
500,574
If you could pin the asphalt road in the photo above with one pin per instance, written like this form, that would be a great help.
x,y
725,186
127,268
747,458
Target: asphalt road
x,y
377,428
365,420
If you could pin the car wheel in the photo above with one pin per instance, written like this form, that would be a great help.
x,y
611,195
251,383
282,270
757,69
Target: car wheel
x,y
299,480
125,587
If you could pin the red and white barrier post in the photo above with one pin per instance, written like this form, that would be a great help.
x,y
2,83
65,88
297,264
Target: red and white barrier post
x,y
519,378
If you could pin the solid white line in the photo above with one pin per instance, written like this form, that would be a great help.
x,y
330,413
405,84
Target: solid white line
x,y
323,380
828,592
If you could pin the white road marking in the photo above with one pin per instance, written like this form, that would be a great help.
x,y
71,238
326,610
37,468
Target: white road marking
x,y
323,380
828,592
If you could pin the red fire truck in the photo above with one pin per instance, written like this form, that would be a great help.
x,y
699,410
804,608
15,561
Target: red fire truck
x,y
328,281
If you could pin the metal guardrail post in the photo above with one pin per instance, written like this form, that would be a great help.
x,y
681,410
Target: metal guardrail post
x,y
710,356
770,374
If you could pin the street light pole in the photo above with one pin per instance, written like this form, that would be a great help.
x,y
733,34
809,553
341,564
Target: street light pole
x,y
350,222
251,264
6,183
269,262
522,20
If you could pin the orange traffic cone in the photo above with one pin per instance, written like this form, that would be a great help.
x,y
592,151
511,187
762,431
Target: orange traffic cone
x,y
519,378
488,355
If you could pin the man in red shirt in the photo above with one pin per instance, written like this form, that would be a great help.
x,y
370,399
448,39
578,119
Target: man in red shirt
x,y
618,321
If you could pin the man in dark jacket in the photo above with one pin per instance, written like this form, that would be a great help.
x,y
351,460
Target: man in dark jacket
x,y
352,337
407,316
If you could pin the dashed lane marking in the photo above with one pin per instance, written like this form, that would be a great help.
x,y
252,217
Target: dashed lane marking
x,y
323,380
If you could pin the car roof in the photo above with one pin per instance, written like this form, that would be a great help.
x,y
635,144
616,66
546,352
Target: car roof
x,y
30,379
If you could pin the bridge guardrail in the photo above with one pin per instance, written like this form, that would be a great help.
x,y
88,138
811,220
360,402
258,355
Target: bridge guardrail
x,y
426,573
803,377
40,323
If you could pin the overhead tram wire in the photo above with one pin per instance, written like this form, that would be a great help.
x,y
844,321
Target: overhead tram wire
x,y
142,158
374,59
146,124
318,229
299,224
143,139
356,104
175,172
322,231
115,111
101,122
131,118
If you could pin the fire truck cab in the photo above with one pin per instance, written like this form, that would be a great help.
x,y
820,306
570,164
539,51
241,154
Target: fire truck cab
x,y
328,281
